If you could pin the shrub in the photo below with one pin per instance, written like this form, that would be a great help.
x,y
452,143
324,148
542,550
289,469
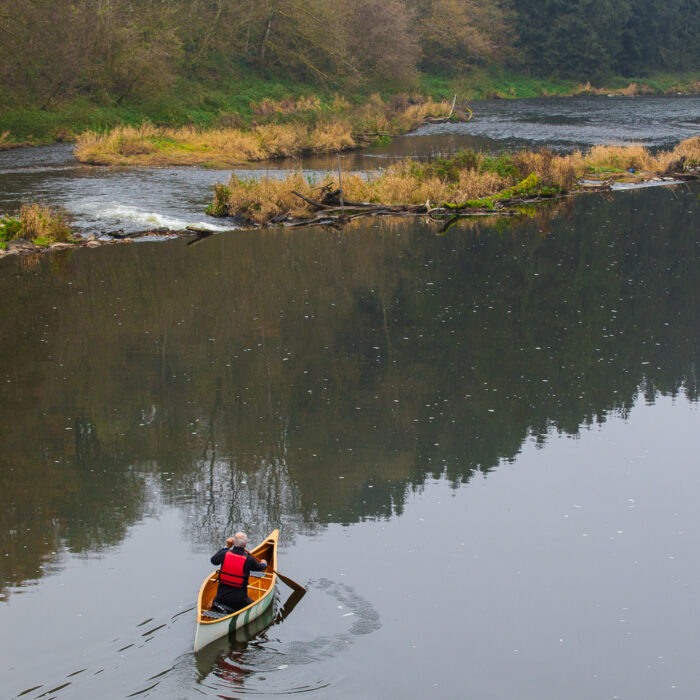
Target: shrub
x,y
10,227
42,225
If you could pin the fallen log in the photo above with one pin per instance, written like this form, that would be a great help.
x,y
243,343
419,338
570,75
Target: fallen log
x,y
316,205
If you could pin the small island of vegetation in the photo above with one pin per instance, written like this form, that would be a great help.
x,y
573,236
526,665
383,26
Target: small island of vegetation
x,y
469,184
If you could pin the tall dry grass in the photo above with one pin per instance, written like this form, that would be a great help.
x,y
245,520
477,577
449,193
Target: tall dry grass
x,y
553,170
43,224
689,149
231,145
638,157
264,199
469,176
287,105
6,143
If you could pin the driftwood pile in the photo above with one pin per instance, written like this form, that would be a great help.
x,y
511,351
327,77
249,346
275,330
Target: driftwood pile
x,y
330,209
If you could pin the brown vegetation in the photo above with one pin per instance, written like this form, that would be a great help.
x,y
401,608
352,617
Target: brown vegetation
x,y
470,181
41,225
339,130
113,48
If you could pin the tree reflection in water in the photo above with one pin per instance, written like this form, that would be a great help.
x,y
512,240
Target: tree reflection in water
x,y
293,379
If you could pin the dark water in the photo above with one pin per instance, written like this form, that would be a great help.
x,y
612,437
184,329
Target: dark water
x,y
481,449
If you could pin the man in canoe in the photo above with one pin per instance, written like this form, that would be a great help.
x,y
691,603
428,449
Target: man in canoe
x,y
235,565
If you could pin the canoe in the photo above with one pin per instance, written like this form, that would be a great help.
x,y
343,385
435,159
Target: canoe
x,y
212,625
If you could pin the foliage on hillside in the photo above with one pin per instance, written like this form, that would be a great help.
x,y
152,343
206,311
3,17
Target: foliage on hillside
x,y
114,53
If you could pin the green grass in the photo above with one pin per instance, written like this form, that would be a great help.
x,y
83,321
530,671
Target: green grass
x,y
10,227
487,83
232,100
42,225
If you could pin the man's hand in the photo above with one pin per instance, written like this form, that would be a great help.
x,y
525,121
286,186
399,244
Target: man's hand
x,y
263,561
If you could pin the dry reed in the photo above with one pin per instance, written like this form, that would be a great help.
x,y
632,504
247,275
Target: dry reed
x,y
469,177
229,145
43,224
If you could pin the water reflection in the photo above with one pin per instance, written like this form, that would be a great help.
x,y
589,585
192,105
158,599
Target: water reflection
x,y
257,658
300,378
221,656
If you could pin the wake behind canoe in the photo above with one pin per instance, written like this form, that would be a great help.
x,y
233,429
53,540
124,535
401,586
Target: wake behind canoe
x,y
212,625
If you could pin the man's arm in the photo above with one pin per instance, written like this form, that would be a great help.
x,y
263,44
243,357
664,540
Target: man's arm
x,y
218,558
256,565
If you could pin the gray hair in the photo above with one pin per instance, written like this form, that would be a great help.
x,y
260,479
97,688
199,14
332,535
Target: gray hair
x,y
240,539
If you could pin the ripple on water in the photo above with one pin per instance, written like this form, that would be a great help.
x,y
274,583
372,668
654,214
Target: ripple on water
x,y
269,660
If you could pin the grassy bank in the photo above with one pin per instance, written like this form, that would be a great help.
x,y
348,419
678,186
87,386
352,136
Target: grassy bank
x,y
39,224
489,83
284,128
469,181
236,99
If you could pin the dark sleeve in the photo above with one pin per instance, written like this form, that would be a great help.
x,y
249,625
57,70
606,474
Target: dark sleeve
x,y
218,558
255,565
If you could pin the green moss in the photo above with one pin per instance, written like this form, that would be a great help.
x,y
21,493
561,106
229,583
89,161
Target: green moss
x,y
43,241
529,187
595,171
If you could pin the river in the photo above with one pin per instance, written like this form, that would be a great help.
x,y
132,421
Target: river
x,y
481,447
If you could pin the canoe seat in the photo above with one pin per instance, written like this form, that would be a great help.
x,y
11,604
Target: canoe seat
x,y
213,614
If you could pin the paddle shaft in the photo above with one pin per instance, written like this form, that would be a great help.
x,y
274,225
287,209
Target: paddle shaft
x,y
285,579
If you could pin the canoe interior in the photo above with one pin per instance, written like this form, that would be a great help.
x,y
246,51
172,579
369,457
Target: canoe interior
x,y
258,587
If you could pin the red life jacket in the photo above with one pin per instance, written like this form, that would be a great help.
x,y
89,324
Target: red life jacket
x,y
231,572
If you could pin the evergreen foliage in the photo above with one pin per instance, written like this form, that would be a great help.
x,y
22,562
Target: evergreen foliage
x,y
591,39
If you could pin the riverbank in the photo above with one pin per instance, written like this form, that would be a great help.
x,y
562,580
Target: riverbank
x,y
467,185
238,100
31,249
284,128
472,186
6,144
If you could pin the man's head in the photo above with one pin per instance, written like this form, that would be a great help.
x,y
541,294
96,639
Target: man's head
x,y
240,539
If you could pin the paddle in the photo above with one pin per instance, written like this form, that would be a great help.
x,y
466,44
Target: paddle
x,y
290,582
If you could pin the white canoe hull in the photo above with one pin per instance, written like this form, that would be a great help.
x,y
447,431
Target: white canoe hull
x,y
208,633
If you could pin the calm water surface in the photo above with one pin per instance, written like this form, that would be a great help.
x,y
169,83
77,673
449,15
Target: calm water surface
x,y
481,448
